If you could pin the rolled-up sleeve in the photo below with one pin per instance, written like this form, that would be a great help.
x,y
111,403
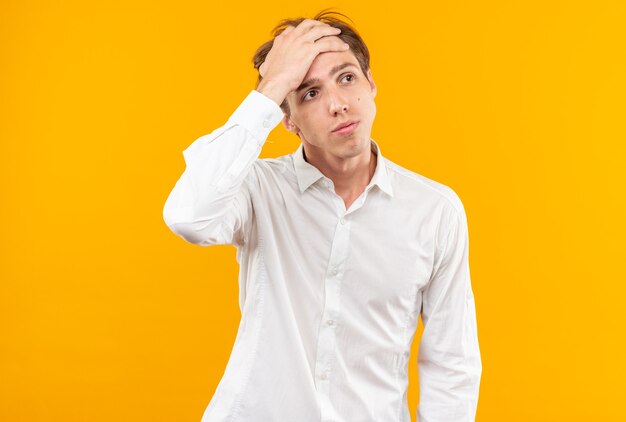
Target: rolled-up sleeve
x,y
449,360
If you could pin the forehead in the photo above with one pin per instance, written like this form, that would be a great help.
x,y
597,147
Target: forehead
x,y
325,62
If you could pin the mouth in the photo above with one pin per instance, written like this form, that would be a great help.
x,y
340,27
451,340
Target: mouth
x,y
345,128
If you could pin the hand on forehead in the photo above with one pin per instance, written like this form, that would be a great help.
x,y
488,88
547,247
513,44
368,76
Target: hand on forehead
x,y
292,53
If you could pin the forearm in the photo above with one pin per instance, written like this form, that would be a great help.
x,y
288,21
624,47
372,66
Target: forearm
x,y
449,356
450,369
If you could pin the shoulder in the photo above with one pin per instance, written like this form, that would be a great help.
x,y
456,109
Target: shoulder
x,y
274,165
274,171
415,185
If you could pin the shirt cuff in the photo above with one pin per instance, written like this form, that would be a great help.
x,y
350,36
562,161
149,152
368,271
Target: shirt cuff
x,y
258,114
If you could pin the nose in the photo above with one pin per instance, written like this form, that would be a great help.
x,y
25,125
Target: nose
x,y
336,103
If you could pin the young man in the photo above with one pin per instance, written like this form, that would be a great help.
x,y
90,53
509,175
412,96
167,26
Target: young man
x,y
340,249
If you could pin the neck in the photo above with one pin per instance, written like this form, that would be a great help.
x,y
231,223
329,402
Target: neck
x,y
349,175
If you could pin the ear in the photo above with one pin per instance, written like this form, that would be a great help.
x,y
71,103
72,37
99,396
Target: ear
x,y
289,125
371,81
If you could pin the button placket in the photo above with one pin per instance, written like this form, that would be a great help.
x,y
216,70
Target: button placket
x,y
326,345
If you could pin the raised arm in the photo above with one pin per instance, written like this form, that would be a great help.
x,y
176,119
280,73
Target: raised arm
x,y
209,204
449,357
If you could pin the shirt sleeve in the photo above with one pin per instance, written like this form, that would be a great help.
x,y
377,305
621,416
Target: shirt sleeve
x,y
449,360
209,204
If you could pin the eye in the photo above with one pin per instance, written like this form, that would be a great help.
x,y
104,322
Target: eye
x,y
348,77
309,95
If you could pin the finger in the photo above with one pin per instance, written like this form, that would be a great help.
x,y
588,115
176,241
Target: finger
x,y
288,29
305,27
307,24
330,43
319,31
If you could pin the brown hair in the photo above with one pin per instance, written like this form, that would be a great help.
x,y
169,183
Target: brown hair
x,y
348,35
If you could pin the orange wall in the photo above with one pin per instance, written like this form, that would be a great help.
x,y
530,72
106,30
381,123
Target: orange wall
x,y
106,315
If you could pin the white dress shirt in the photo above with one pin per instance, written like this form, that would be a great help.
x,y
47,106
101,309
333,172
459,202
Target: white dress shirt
x,y
330,297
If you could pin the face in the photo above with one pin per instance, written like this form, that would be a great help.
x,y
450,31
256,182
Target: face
x,y
334,93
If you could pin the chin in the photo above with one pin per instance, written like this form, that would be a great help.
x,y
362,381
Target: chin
x,y
353,148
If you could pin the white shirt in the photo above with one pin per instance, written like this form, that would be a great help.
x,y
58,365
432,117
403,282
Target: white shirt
x,y
330,297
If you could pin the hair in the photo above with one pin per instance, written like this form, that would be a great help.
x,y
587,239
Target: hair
x,y
348,34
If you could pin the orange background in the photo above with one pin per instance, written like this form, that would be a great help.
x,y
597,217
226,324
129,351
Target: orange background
x,y
107,315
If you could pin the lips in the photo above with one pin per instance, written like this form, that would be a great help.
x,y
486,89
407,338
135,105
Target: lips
x,y
345,126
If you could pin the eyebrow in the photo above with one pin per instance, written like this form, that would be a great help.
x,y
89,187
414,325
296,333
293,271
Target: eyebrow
x,y
313,81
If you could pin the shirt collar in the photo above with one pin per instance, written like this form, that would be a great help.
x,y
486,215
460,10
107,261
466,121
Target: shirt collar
x,y
308,174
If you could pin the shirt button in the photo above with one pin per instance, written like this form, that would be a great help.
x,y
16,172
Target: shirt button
x,y
324,376
266,123
343,221
335,271
330,322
